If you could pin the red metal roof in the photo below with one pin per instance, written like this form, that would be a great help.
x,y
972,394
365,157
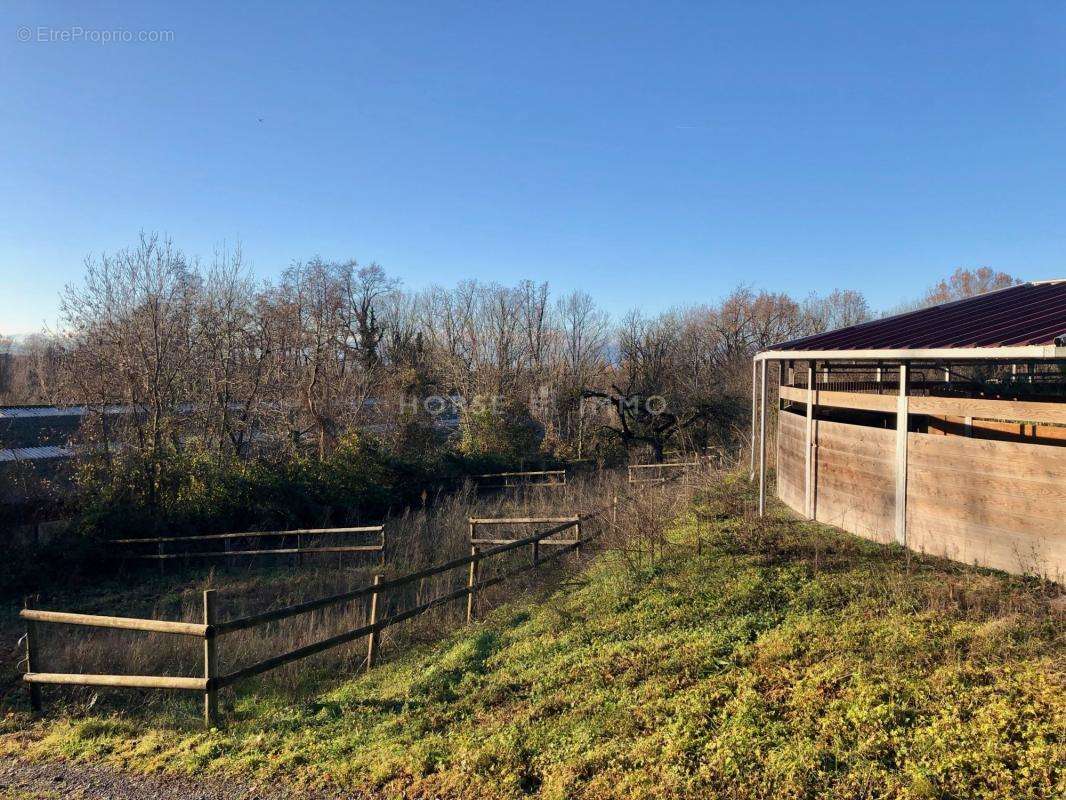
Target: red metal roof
x,y
1028,314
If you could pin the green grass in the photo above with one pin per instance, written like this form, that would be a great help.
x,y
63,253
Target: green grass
x,y
794,663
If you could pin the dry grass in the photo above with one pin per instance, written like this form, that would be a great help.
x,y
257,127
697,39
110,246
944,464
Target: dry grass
x,y
416,539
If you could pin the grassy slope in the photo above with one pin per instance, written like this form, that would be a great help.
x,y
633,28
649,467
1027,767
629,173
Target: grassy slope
x,y
830,668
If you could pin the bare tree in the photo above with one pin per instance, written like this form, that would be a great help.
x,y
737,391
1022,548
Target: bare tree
x,y
965,283
841,308
130,327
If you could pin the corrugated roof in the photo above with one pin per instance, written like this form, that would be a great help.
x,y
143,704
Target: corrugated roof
x,y
1027,314
36,453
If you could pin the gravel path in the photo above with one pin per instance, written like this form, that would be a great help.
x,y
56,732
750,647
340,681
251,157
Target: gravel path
x,y
60,780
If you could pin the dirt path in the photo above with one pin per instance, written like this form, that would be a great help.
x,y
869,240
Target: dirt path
x,y
59,780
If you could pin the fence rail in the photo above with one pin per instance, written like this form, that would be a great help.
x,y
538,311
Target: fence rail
x,y
211,630
636,476
474,522
507,480
227,538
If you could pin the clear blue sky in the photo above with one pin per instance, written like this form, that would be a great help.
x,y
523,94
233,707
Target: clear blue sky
x,y
650,153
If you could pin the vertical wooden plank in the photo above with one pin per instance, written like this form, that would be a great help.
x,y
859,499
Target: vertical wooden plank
x,y
381,560
579,539
210,662
762,439
902,406
32,657
372,640
808,475
471,579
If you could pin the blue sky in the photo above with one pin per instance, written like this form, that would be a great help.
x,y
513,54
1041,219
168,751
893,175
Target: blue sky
x,y
650,153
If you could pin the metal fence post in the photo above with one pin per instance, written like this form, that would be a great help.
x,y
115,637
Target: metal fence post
x,y
471,580
32,654
210,661
372,641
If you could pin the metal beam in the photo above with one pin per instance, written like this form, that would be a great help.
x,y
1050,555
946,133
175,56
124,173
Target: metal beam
x,y
762,440
809,463
1038,352
901,455
754,413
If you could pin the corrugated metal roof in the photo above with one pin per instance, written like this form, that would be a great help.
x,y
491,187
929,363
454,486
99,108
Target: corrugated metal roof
x,y
36,453
1027,314
34,412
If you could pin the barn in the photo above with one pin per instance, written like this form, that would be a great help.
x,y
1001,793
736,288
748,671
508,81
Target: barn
x,y
942,429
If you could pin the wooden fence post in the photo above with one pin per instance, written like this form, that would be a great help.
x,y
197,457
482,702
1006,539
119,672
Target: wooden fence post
x,y
32,653
372,641
471,580
381,561
210,661
578,548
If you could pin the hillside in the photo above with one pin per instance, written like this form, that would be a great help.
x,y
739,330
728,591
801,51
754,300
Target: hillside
x,y
786,660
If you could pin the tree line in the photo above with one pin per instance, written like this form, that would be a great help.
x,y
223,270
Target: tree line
x,y
211,360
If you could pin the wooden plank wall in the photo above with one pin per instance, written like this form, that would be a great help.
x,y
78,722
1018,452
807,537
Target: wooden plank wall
x,y
855,479
791,433
990,503
986,502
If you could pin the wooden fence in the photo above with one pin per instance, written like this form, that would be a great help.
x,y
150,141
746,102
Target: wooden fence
x,y
508,480
211,629
227,540
653,473
575,524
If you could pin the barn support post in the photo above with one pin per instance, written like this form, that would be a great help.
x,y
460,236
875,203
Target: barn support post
x,y
784,372
808,471
902,408
754,412
762,438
